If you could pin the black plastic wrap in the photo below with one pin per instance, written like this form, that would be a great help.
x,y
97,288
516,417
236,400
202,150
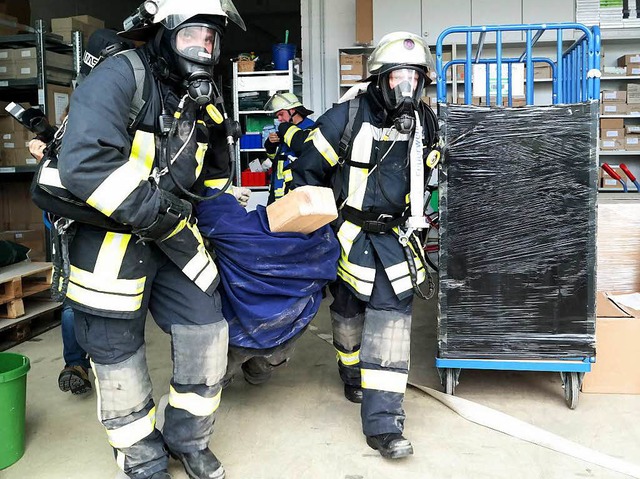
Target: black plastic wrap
x,y
517,232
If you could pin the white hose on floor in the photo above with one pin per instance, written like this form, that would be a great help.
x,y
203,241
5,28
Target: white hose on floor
x,y
498,421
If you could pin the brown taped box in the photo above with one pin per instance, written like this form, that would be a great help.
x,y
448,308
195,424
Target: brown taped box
x,y
633,70
608,183
631,59
17,157
611,144
613,108
614,96
303,210
352,68
364,22
632,143
612,133
632,129
611,123
617,366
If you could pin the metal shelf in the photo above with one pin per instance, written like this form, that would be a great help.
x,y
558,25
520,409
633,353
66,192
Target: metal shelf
x,y
620,77
52,42
619,153
619,116
18,169
19,83
253,112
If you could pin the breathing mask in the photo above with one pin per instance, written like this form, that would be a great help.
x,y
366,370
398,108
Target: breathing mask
x,y
401,90
197,49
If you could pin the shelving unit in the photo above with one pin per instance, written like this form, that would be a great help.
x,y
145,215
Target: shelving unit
x,y
265,83
18,212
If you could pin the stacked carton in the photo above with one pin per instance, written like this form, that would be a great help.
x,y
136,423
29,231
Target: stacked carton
x,y
22,63
82,23
353,68
618,133
14,142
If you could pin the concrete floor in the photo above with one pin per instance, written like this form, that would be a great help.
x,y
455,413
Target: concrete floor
x,y
300,426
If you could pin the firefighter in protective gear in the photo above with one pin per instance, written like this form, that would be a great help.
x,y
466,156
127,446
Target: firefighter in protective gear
x,y
372,297
136,168
284,146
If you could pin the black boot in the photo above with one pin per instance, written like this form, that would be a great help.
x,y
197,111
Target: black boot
x,y
391,446
200,465
353,393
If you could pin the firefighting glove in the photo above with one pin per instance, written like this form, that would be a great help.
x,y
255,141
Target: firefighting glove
x,y
241,194
173,216
283,127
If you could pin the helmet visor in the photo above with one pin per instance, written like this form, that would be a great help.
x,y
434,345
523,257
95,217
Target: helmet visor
x,y
198,43
191,9
403,84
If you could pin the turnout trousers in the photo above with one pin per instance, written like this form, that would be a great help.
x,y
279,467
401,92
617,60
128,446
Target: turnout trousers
x,y
199,339
372,340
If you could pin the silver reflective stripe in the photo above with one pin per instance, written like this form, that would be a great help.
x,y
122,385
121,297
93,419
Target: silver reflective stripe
x,y
384,380
127,436
50,176
194,403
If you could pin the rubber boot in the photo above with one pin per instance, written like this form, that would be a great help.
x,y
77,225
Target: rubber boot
x,y
390,446
200,465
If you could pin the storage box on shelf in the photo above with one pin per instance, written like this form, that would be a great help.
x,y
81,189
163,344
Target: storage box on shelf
x,y
251,90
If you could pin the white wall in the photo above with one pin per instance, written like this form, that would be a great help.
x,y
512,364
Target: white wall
x,y
326,26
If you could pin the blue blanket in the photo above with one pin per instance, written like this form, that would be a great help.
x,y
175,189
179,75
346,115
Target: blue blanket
x,y
271,282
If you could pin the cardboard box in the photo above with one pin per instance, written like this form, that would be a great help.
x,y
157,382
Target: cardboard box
x,y
57,102
633,70
632,129
20,9
608,134
629,60
610,144
542,71
614,96
364,22
17,157
7,70
633,93
633,109
611,123
632,143
26,68
352,68
302,210
613,71
607,182
613,108
617,366
82,23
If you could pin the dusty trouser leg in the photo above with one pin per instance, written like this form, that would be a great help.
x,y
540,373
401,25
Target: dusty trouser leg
x,y
199,339
258,369
123,387
384,359
347,319
235,358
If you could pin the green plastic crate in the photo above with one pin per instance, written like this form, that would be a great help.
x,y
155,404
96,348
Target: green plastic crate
x,y
255,123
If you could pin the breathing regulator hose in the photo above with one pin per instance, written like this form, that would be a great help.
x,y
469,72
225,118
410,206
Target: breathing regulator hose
x,y
218,114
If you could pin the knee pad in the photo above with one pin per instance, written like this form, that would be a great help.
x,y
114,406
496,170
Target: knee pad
x,y
199,353
386,339
347,332
123,388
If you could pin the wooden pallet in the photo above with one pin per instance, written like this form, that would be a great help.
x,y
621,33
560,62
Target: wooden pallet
x,y
21,280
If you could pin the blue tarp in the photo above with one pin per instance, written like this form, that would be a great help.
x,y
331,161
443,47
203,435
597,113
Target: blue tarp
x,y
271,282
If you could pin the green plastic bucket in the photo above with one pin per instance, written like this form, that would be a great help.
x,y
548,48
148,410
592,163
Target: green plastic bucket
x,y
13,396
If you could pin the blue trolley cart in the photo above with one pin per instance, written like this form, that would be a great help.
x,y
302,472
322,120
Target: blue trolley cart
x,y
575,78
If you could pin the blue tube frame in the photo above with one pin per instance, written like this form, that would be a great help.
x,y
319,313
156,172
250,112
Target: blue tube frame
x,y
574,71
575,365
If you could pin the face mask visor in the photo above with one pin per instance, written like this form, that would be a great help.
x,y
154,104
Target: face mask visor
x,y
198,43
402,86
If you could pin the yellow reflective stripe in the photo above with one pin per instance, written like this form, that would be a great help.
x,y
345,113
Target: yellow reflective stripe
x,y
118,185
106,284
200,152
288,175
348,359
323,146
111,254
292,130
194,403
346,236
201,264
127,436
361,287
397,271
384,380
278,192
181,225
216,183
106,301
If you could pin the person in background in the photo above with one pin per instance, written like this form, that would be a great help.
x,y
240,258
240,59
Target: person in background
x,y
372,298
284,146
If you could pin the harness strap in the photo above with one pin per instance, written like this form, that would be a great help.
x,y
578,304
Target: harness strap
x,y
373,222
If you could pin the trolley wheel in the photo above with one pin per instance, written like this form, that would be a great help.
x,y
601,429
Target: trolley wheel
x,y
450,381
571,384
